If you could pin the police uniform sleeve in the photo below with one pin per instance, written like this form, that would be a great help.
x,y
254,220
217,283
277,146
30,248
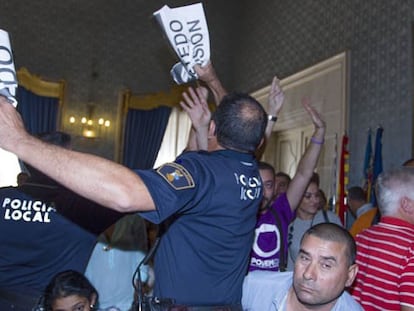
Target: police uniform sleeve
x,y
172,186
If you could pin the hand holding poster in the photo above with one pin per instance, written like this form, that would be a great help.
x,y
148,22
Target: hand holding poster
x,y
8,78
187,32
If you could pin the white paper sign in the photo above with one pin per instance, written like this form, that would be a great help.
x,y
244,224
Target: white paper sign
x,y
8,78
187,32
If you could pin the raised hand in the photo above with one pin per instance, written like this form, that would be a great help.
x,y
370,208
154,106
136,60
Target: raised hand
x,y
318,122
195,104
276,97
276,100
208,75
11,125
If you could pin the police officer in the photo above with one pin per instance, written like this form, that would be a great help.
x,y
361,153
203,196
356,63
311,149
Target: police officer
x,y
45,229
212,198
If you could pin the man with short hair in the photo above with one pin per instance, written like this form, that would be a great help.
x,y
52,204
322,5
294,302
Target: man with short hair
x,y
365,214
210,199
324,268
282,181
269,250
385,251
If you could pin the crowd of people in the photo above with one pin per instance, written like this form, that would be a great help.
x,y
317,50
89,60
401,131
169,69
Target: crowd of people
x,y
234,234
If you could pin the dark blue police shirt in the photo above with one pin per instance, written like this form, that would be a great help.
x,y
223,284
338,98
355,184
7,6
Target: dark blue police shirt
x,y
37,242
212,199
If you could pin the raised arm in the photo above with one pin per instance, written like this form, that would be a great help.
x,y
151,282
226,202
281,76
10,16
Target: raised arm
x,y
100,180
208,75
195,104
275,103
309,159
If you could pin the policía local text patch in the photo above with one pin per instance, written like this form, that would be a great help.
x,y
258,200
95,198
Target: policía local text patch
x,y
176,175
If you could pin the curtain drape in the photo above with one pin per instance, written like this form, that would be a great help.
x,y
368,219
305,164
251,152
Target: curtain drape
x,y
39,113
144,130
175,138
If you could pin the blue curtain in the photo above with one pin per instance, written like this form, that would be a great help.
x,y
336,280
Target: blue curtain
x,y
144,130
39,113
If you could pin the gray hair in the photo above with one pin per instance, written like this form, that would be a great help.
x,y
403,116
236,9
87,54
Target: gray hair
x,y
393,185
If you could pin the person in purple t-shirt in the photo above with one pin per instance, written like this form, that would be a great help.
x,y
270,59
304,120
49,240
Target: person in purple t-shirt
x,y
275,214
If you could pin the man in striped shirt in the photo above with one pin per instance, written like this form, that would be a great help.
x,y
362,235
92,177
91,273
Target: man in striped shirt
x,y
385,252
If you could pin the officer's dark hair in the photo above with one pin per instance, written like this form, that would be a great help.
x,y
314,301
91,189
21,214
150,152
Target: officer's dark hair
x,y
240,122
356,193
334,233
265,166
68,283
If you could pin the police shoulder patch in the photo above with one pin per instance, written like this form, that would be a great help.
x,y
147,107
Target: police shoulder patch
x,y
176,175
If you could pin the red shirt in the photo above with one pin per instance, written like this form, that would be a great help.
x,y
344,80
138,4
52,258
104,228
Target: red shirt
x,y
385,255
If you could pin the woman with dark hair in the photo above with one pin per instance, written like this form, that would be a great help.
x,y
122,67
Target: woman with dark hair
x,y
69,291
308,214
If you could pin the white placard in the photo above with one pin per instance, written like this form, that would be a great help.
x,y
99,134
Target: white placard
x,y
187,32
8,78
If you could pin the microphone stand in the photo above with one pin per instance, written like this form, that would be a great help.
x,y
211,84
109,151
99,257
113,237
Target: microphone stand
x,y
139,304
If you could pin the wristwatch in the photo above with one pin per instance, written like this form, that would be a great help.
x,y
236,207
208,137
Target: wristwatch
x,y
271,118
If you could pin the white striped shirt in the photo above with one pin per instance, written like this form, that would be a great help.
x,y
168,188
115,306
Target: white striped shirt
x,y
385,255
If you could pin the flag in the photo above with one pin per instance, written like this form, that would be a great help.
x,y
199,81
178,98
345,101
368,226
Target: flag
x,y
377,163
343,179
368,167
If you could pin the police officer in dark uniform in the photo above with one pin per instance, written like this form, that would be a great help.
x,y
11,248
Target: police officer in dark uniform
x,y
212,198
45,229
